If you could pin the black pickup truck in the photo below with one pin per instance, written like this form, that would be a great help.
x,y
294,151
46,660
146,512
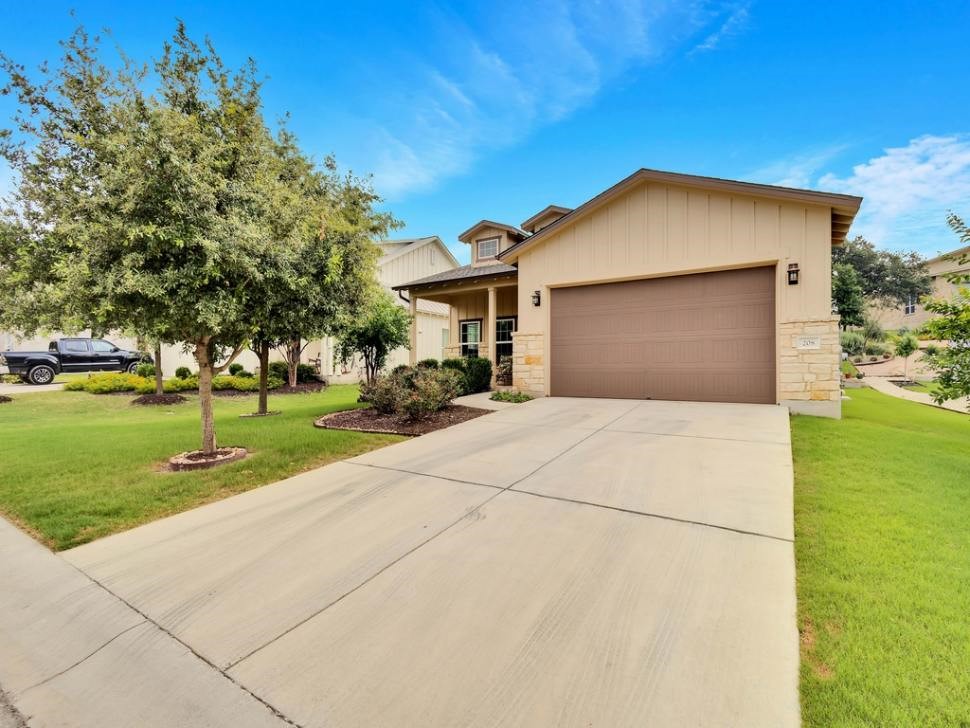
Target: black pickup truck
x,y
71,355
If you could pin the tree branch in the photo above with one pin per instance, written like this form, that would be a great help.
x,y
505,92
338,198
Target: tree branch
x,y
232,357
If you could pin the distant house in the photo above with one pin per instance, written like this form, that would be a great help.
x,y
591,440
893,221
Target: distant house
x,y
912,315
403,260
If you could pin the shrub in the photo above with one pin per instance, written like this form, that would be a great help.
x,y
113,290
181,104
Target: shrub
x,y
430,391
235,368
875,349
516,397
478,374
75,385
457,365
428,363
400,369
853,343
181,385
111,382
413,392
503,372
305,373
860,375
145,370
183,373
857,359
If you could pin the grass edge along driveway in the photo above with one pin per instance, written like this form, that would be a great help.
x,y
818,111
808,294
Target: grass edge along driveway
x,y
78,466
882,503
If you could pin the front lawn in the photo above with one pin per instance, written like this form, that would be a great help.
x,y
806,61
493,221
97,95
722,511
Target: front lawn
x,y
76,466
882,507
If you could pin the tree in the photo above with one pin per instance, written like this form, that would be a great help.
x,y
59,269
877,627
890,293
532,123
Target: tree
x,y
952,324
142,211
383,327
871,332
847,298
887,278
905,347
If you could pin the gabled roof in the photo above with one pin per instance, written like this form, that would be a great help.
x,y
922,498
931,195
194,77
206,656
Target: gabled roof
x,y
547,211
465,273
844,207
465,237
396,248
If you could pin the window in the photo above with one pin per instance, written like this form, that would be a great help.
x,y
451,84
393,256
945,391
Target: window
x,y
101,346
471,336
503,337
487,248
76,346
910,307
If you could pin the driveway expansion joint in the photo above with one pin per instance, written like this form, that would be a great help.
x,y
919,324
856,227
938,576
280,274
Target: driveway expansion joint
x,y
83,659
269,706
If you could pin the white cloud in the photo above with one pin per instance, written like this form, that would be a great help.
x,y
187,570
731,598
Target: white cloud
x,y
489,84
735,23
908,190
799,170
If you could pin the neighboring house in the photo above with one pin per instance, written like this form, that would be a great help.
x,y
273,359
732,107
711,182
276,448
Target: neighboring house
x,y
912,315
665,286
402,260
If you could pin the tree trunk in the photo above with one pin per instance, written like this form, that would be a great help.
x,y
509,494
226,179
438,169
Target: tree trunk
x,y
205,398
293,360
263,378
159,386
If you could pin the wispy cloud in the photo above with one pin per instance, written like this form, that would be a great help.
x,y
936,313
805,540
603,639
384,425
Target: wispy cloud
x,y
733,24
488,84
908,190
799,170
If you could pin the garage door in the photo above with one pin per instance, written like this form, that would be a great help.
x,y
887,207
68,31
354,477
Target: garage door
x,y
706,337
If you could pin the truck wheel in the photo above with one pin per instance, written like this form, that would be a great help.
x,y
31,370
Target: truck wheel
x,y
132,367
41,374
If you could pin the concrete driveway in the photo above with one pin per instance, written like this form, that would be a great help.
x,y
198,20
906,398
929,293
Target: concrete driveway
x,y
560,563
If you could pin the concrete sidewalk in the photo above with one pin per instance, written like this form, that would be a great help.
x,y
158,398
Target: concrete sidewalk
x,y
885,385
75,655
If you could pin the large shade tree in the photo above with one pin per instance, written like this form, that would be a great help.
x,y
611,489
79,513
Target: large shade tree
x,y
887,278
148,209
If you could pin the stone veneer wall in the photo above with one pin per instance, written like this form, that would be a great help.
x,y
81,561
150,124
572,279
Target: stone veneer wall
x,y
528,372
809,379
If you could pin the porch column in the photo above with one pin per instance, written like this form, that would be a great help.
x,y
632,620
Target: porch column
x,y
413,353
490,311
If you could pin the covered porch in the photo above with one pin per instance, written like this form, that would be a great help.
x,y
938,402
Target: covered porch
x,y
483,312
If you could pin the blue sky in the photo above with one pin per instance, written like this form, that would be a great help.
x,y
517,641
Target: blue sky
x,y
464,111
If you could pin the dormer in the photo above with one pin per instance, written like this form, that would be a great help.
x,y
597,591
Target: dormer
x,y
546,216
488,239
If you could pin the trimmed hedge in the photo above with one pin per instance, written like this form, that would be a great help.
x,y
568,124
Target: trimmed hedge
x,y
414,392
476,373
119,382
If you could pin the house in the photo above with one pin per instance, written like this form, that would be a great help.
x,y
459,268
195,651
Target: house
x,y
665,286
912,315
401,261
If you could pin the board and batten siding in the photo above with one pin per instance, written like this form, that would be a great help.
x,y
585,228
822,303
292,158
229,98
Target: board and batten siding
x,y
660,229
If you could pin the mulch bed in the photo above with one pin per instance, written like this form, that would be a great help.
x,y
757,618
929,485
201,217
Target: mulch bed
x,y
368,420
198,460
5,398
159,399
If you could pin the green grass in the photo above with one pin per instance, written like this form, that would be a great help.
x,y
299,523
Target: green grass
x,y
76,466
882,522
928,387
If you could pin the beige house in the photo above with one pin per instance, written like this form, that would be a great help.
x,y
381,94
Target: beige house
x,y
665,286
912,315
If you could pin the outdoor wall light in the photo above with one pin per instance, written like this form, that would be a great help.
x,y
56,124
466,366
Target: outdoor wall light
x,y
793,274
536,298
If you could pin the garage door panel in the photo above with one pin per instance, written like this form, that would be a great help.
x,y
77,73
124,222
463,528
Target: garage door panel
x,y
703,337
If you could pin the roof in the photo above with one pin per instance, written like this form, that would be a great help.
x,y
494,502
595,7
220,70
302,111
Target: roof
x,y
844,207
546,212
951,255
396,248
465,273
511,229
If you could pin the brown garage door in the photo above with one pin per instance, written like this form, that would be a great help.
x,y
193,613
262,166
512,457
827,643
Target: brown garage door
x,y
706,337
